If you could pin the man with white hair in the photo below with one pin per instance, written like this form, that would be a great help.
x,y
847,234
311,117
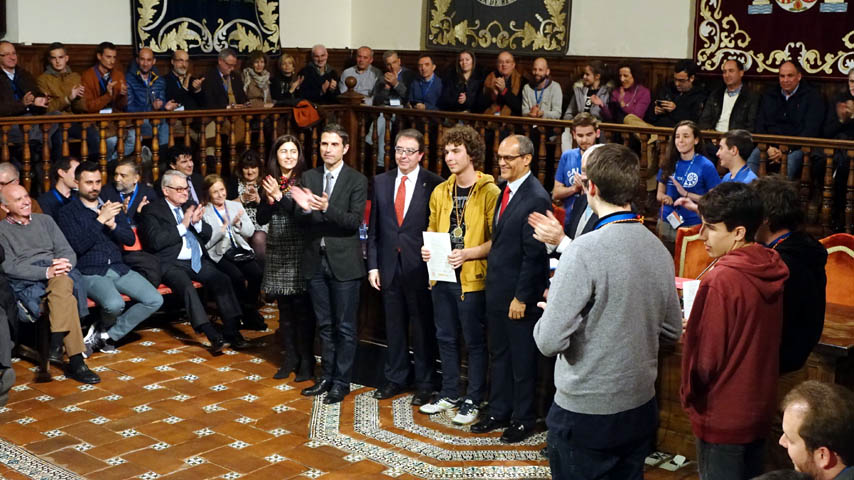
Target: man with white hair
x,y
9,175
320,81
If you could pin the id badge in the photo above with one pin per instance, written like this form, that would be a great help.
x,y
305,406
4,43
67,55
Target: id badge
x,y
674,219
106,110
394,102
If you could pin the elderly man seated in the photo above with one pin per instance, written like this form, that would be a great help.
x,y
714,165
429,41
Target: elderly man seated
x,y
40,266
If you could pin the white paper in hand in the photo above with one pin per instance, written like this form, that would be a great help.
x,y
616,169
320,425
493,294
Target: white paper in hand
x,y
689,292
439,268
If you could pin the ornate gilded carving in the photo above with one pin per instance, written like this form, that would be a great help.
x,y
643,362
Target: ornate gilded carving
x,y
161,35
721,38
549,35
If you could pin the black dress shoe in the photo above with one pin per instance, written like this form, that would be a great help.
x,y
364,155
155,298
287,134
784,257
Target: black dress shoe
x,y
488,424
236,341
336,394
421,397
217,343
252,320
322,386
515,433
55,355
83,375
388,390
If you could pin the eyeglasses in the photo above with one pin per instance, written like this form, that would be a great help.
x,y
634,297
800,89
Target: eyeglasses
x,y
508,158
405,151
179,189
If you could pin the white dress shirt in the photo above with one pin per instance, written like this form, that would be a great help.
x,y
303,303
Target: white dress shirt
x,y
185,253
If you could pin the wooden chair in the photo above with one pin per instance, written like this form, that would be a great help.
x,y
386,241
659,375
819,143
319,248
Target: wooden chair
x,y
689,256
840,268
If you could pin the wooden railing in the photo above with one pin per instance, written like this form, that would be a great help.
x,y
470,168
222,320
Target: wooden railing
x,y
816,187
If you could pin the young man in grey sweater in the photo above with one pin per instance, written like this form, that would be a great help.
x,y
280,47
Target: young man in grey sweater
x,y
611,300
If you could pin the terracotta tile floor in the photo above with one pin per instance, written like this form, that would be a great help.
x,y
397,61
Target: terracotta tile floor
x,y
167,409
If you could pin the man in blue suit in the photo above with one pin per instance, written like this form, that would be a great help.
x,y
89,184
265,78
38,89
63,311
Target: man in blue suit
x,y
515,282
400,211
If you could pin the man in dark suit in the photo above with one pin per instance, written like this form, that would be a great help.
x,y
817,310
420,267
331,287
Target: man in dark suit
x,y
332,207
400,210
176,235
223,87
180,158
515,281
127,190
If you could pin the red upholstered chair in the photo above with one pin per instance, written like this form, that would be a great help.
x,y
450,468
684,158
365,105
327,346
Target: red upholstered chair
x,y
560,214
840,268
689,256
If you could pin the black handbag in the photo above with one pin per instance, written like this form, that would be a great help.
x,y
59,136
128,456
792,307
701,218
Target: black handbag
x,y
238,255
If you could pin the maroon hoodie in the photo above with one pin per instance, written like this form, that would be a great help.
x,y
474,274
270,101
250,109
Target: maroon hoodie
x,y
730,348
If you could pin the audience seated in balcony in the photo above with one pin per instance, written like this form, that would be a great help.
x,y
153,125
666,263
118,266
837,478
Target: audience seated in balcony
x,y
681,100
839,125
96,230
590,93
502,88
256,80
228,247
731,106
223,88
426,90
284,88
795,109
392,89
147,93
630,98
366,75
182,87
320,80
39,264
543,98
463,87
105,89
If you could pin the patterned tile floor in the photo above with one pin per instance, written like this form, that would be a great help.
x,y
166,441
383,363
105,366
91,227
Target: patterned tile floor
x,y
167,409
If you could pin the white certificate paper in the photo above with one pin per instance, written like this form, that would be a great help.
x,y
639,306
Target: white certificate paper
x,y
439,268
689,292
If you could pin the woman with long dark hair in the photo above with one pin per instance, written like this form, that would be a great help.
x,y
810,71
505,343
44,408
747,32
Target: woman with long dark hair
x,y
282,276
463,86
244,186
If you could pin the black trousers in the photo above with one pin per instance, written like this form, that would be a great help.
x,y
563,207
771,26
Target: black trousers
x,y
408,304
513,363
245,279
179,276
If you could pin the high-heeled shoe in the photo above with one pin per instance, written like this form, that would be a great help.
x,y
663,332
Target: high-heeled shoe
x,y
290,365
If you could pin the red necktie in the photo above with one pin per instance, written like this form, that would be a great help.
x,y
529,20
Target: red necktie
x,y
504,199
400,201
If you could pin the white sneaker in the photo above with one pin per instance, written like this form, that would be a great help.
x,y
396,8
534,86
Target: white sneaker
x,y
438,406
467,413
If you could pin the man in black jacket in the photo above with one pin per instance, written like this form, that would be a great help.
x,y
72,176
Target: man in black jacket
x,y
319,80
731,106
515,281
332,205
400,211
795,109
678,101
176,235
181,87
804,290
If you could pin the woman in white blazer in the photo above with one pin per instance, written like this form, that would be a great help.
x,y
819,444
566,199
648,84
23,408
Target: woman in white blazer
x,y
229,248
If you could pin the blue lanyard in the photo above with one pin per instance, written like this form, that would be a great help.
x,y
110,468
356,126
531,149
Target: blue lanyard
x,y
227,225
685,175
618,217
539,98
773,243
101,80
62,200
132,198
426,89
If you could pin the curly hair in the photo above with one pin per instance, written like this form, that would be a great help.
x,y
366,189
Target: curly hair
x,y
468,137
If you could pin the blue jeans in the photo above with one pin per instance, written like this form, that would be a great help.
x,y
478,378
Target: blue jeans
x,y
719,461
452,314
336,304
794,162
145,130
106,290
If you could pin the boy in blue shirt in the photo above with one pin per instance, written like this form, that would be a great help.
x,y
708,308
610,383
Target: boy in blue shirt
x,y
585,131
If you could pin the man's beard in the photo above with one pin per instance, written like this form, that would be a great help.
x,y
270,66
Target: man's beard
x,y
92,196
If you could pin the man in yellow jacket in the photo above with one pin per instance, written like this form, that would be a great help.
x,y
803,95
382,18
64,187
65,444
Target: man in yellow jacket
x,y
463,206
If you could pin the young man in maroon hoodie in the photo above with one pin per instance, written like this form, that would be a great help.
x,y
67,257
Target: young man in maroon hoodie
x,y
729,380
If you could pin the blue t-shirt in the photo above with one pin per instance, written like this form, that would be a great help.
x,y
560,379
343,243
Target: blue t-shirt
x,y
745,175
697,175
567,168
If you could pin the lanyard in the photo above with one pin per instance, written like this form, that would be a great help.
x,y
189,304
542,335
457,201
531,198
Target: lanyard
x,y
539,98
426,89
773,243
626,217
685,175
227,225
740,171
132,198
101,80
62,200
